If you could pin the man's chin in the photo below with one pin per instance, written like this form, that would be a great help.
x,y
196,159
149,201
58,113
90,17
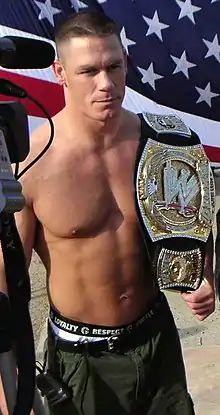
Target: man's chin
x,y
108,114
107,111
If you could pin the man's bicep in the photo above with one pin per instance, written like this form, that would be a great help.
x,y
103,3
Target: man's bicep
x,y
26,225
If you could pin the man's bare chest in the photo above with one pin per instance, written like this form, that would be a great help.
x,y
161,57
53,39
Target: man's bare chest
x,y
85,200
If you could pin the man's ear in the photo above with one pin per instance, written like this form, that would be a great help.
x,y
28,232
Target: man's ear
x,y
59,72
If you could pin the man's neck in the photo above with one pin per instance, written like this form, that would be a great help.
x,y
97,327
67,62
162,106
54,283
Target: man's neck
x,y
99,133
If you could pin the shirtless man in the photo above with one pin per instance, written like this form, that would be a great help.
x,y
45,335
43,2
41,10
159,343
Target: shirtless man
x,y
80,217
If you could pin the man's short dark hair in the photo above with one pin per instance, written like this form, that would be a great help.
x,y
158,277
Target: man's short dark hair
x,y
85,24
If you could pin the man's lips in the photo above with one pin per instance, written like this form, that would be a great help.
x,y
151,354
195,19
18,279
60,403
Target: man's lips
x,y
106,100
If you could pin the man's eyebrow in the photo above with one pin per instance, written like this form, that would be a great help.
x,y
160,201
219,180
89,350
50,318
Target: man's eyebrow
x,y
88,67
115,62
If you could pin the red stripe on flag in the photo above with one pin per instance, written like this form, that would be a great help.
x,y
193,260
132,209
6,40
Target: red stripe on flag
x,y
213,153
49,94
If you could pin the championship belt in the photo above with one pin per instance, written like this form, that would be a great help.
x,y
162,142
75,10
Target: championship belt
x,y
175,200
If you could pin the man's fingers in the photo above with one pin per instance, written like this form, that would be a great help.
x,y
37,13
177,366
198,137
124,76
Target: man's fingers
x,y
199,305
201,302
195,298
202,316
201,310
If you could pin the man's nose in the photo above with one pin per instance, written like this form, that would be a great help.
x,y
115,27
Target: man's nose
x,y
105,81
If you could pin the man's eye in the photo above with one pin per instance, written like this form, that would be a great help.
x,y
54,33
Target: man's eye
x,y
114,66
90,71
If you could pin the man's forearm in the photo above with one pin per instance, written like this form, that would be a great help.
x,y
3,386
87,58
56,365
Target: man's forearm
x,y
208,266
3,284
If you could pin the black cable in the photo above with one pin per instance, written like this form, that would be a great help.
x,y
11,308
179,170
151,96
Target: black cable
x,y
39,367
18,176
16,169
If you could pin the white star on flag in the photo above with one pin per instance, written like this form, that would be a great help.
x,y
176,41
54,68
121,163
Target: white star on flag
x,y
187,9
213,48
182,65
47,11
155,26
206,94
125,41
149,76
77,4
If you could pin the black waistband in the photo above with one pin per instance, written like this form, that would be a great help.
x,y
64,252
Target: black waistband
x,y
91,330
131,336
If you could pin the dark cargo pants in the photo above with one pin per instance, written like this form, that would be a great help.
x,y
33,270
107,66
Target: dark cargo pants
x,y
146,380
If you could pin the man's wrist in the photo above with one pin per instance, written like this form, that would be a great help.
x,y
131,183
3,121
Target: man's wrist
x,y
208,275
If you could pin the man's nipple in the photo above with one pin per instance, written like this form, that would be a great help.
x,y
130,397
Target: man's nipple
x,y
123,297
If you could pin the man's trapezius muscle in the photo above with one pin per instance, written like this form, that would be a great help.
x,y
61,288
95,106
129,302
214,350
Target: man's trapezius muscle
x,y
88,235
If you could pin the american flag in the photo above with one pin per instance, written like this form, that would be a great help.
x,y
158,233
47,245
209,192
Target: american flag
x,y
173,55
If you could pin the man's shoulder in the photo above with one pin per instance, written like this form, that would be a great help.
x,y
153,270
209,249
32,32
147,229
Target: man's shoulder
x,y
38,140
40,135
132,122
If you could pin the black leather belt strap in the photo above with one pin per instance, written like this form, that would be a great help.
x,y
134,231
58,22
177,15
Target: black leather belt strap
x,y
113,343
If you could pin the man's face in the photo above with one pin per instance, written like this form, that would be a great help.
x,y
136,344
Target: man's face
x,y
93,73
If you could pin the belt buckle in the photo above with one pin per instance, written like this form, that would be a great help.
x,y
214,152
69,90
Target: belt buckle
x,y
111,342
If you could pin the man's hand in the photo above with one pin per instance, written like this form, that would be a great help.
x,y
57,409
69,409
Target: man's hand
x,y
202,301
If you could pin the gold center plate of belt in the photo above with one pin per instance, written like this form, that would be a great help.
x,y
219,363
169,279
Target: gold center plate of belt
x,y
175,191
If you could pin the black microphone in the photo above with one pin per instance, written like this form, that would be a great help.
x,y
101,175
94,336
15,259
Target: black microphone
x,y
10,89
25,53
